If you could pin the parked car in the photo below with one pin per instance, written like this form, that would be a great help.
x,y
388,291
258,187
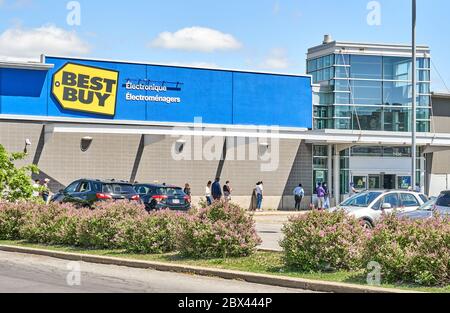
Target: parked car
x,y
424,212
86,192
160,197
442,206
369,206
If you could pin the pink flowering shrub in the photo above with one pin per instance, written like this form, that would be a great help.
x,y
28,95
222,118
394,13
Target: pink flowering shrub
x,y
219,231
101,227
52,224
153,233
320,241
12,217
408,251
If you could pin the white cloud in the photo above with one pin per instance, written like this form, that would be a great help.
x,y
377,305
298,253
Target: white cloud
x,y
196,39
18,43
277,60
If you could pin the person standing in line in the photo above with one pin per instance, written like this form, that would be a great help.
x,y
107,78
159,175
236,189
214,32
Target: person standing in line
x,y
327,196
320,197
353,190
188,192
418,189
259,196
46,191
299,194
36,188
216,190
227,190
208,193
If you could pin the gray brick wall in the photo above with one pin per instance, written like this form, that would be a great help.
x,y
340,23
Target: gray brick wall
x,y
114,156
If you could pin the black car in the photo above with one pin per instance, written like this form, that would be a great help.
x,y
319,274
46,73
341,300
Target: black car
x,y
85,192
160,197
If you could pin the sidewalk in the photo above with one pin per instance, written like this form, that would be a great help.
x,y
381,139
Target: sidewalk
x,y
278,213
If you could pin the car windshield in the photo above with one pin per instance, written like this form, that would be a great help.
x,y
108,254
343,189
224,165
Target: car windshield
x,y
443,200
428,206
362,200
118,189
171,192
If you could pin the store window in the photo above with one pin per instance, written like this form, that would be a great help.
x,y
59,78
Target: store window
x,y
374,182
367,67
367,118
342,72
397,120
367,151
404,182
320,164
360,182
367,92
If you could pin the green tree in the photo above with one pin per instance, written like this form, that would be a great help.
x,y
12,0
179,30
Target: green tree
x,y
15,182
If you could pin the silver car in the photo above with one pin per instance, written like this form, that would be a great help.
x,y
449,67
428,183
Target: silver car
x,y
440,207
426,211
369,206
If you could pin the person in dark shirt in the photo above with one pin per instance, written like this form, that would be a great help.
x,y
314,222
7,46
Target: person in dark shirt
x,y
188,192
216,190
227,190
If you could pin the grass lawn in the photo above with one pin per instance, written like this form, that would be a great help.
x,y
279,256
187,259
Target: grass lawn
x,y
262,262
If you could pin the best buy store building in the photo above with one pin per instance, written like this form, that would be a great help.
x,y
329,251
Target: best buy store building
x,y
129,121
168,124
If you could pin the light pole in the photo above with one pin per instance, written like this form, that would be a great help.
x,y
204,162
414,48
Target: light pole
x,y
414,97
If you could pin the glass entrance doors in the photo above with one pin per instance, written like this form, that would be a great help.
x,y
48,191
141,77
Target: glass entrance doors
x,y
381,182
389,182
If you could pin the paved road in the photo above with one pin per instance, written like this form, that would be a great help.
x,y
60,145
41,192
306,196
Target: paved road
x,y
270,234
37,274
269,229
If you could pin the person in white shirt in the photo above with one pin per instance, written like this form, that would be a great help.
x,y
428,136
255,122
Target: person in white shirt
x,y
208,193
36,187
418,189
299,194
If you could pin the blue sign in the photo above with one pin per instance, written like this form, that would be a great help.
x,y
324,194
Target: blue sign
x,y
160,94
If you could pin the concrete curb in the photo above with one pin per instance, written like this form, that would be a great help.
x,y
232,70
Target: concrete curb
x,y
270,280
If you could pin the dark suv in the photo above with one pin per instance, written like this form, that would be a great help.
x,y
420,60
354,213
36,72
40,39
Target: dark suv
x,y
85,192
160,197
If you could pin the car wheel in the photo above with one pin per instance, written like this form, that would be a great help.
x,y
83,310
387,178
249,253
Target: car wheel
x,y
366,224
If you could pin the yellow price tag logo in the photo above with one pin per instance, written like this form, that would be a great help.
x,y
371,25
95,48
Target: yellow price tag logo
x,y
86,89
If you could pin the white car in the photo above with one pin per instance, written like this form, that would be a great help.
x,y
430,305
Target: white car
x,y
369,206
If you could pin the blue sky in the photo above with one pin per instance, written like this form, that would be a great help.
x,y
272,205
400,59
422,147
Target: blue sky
x,y
246,34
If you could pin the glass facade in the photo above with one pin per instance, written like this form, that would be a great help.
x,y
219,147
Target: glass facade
x,y
370,93
320,165
364,92
370,181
